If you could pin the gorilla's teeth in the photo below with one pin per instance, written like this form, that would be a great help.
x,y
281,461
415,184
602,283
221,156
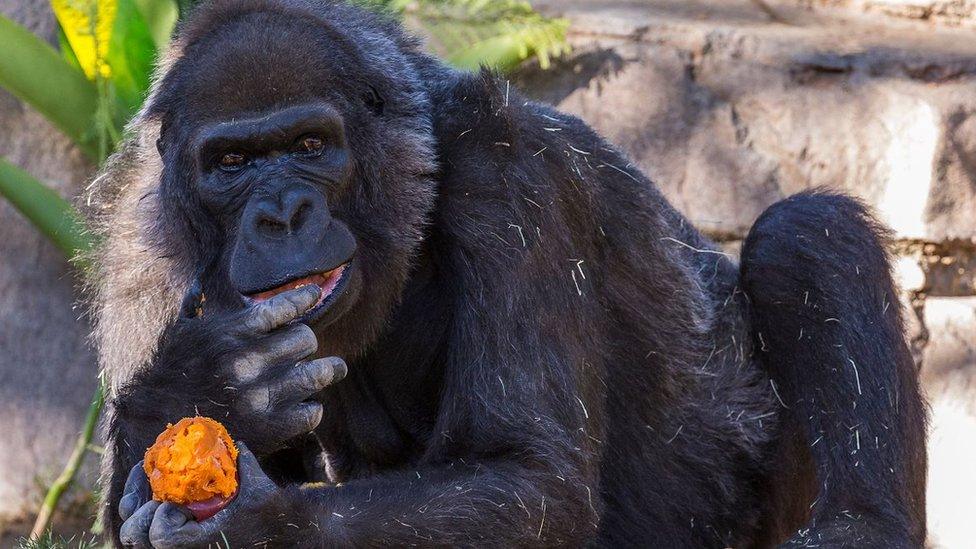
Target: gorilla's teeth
x,y
326,281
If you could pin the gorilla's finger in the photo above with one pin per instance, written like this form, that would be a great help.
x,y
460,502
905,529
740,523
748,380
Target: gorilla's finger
x,y
281,349
302,418
173,526
135,530
290,345
308,378
136,491
282,308
247,463
252,476
255,490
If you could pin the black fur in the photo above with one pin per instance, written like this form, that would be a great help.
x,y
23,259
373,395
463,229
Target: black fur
x,y
824,304
544,351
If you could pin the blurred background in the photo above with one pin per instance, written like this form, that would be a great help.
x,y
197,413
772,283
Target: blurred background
x,y
729,106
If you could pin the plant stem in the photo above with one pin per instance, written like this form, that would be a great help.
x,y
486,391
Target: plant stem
x,y
67,476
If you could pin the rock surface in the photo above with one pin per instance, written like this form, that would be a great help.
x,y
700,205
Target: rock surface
x,y
47,371
949,376
950,12
731,106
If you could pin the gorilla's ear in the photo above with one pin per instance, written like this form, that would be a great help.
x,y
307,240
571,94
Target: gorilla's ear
x,y
164,126
373,100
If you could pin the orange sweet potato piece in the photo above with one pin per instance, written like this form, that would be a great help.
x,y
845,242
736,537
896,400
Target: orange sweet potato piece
x,y
192,461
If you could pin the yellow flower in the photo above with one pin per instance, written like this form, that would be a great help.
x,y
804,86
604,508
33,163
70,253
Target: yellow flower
x,y
87,24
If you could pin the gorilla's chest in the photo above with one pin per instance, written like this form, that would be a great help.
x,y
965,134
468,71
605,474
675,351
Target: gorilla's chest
x,y
382,415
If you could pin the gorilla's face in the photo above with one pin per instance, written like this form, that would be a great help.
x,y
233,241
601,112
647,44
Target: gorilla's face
x,y
291,159
267,180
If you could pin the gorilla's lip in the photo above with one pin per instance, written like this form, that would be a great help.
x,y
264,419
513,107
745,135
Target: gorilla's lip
x,y
330,283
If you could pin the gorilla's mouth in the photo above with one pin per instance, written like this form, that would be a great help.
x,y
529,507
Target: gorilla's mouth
x,y
330,283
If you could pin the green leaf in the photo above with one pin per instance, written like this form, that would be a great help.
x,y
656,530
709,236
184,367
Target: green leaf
x,y
130,56
52,214
35,73
160,16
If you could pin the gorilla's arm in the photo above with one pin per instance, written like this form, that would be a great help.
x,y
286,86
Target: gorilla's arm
x,y
508,465
512,460
244,368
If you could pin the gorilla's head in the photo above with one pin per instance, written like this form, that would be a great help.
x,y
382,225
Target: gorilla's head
x,y
295,150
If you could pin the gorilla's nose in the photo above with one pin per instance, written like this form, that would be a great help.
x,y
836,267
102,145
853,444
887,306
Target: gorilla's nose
x,y
286,235
295,211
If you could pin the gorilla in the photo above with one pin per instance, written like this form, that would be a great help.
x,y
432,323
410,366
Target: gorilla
x,y
436,313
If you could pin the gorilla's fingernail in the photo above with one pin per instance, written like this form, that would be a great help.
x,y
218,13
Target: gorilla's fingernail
x,y
339,370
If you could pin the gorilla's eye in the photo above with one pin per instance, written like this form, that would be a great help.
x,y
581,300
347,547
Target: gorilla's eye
x,y
310,145
231,162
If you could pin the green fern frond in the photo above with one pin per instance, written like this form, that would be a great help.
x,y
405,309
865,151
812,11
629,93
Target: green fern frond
x,y
470,33
393,7
498,33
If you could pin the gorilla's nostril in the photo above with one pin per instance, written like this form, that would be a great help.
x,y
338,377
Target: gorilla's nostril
x,y
300,216
271,227
290,212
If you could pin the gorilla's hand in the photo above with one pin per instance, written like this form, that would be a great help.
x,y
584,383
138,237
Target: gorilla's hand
x,y
149,523
250,368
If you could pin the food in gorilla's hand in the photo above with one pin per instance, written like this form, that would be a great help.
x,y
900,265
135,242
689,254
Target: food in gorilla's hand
x,y
193,463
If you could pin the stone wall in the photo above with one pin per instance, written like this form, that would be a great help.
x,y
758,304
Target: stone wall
x,y
47,371
733,105
947,12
